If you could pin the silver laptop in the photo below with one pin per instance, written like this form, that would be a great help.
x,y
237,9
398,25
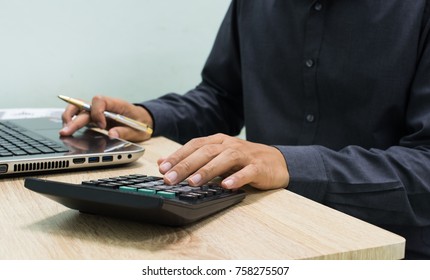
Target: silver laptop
x,y
34,145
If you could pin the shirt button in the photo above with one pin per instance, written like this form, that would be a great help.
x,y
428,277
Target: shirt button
x,y
309,63
318,6
310,118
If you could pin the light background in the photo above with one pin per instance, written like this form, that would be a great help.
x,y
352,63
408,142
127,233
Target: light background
x,y
131,49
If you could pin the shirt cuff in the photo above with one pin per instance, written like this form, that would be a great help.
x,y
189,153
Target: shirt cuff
x,y
163,121
307,172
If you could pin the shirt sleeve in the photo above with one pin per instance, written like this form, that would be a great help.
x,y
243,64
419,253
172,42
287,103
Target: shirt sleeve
x,y
213,106
384,187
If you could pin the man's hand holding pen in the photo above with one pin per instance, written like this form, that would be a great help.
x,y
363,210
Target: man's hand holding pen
x,y
77,116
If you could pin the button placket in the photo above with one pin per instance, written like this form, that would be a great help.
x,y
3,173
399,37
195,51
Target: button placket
x,y
313,40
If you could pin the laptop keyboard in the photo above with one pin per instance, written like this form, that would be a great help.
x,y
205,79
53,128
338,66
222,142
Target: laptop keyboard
x,y
140,197
17,141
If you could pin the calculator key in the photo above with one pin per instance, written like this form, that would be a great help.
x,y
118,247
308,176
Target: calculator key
x,y
146,191
166,194
130,189
188,197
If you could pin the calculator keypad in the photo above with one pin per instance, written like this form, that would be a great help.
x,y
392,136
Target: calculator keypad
x,y
152,185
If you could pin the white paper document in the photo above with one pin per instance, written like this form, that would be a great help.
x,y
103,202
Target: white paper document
x,y
26,113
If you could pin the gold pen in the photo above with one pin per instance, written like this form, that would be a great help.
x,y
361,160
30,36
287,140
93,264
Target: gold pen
x,y
117,117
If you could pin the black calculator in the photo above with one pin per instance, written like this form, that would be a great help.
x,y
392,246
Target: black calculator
x,y
140,197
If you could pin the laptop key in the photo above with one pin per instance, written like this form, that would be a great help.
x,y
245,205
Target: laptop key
x,y
32,151
44,150
19,153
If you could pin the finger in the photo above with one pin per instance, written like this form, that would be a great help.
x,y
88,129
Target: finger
x,y
69,112
186,150
242,177
98,106
103,103
226,160
78,122
193,162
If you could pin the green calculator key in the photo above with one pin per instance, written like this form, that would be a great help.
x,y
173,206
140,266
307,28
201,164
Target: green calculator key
x,y
146,191
166,194
129,189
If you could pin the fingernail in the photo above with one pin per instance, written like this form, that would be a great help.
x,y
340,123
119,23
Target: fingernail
x,y
228,183
165,167
195,179
171,176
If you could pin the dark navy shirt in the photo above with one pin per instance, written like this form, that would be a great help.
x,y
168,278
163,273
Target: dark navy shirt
x,y
340,87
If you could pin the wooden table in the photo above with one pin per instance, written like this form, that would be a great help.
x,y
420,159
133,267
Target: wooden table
x,y
266,225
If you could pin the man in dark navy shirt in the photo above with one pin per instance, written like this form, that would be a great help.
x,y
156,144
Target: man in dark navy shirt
x,y
335,98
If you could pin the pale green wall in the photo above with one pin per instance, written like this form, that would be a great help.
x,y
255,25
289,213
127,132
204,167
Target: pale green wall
x,y
133,49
